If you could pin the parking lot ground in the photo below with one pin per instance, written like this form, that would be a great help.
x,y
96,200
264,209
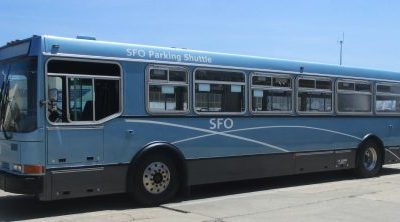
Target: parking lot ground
x,y
329,196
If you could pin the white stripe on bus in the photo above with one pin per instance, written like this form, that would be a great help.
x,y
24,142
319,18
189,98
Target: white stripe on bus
x,y
393,154
210,132
268,127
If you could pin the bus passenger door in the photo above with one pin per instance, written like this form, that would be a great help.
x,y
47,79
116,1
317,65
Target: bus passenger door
x,y
73,137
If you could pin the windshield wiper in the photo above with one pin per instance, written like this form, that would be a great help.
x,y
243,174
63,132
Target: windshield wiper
x,y
4,104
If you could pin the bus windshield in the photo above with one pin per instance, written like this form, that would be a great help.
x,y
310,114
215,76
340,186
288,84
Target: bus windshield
x,y
18,96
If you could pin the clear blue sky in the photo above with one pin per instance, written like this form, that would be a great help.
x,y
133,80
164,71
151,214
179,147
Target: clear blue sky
x,y
306,30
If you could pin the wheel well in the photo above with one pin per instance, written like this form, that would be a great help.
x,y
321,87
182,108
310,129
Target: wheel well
x,y
377,140
165,149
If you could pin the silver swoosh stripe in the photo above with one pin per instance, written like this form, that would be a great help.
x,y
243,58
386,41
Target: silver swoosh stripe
x,y
269,127
393,154
210,132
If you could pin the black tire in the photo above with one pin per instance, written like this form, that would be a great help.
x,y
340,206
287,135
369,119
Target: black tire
x,y
366,164
142,194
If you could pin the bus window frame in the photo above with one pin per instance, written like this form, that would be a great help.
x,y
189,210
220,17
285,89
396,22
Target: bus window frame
x,y
149,82
315,78
355,81
119,78
385,94
221,82
271,74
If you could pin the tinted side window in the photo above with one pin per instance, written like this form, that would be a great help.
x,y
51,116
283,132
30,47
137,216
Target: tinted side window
x,y
80,99
314,95
219,91
223,76
107,98
82,91
167,90
354,96
387,98
354,103
57,97
271,93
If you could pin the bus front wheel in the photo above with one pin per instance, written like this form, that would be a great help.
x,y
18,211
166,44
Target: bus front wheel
x,y
154,180
369,159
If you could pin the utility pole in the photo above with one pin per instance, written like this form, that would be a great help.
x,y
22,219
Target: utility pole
x,y
341,42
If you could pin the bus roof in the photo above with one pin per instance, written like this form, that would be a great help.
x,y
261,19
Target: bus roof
x,y
95,49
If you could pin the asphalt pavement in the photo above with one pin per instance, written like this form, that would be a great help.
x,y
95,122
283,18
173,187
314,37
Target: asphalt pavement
x,y
333,196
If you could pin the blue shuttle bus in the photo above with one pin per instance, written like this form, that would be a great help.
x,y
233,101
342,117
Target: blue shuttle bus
x,y
81,117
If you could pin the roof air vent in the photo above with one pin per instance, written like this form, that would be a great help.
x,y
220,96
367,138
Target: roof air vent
x,y
86,37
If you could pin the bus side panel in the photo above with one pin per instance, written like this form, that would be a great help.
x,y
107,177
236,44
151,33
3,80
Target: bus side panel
x,y
84,181
134,89
285,146
248,136
214,170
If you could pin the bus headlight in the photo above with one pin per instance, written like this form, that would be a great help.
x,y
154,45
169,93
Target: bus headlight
x,y
16,168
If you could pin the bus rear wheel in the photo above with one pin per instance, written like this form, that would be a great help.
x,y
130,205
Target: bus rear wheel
x,y
369,160
154,180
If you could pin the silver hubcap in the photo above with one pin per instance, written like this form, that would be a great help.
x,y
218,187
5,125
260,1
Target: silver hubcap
x,y
370,158
156,177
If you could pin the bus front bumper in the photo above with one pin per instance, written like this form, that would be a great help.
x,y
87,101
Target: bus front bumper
x,y
21,184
